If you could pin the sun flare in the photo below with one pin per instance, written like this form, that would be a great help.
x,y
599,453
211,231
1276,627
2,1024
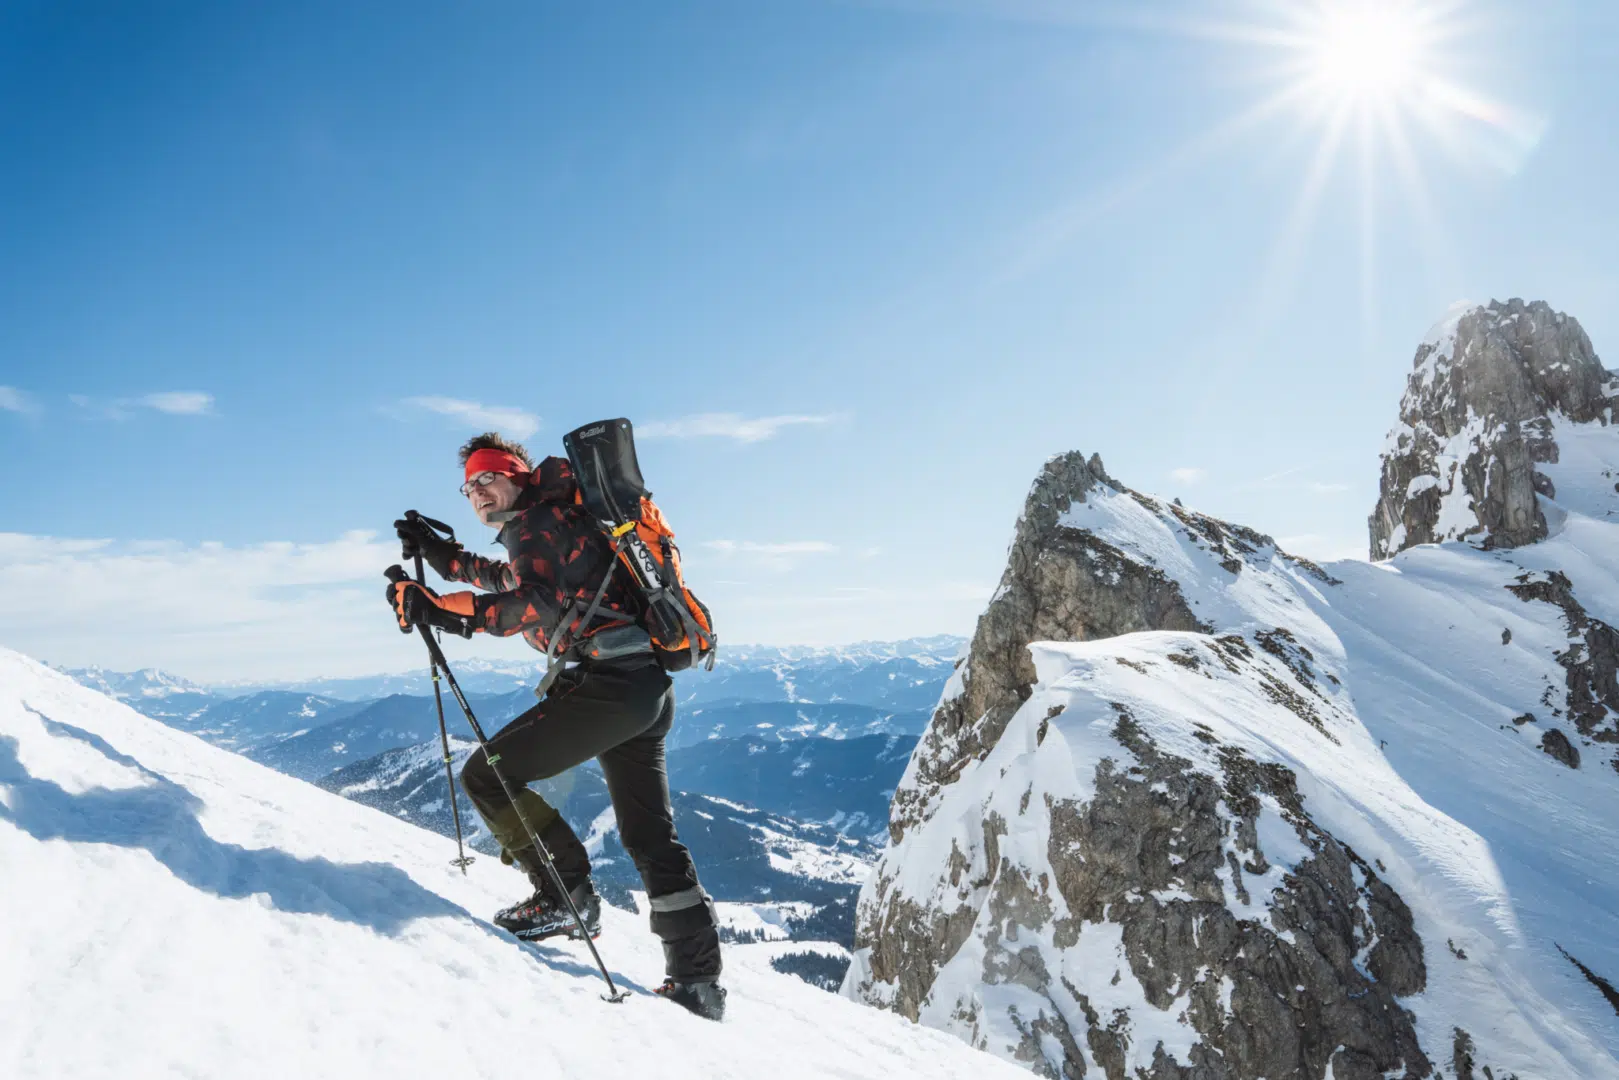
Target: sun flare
x,y
1367,50
1375,102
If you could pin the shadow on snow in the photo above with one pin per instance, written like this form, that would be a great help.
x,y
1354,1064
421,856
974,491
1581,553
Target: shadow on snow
x,y
161,818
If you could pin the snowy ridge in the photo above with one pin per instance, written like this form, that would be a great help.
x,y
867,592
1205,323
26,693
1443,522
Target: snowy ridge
x,y
145,683
265,928
1081,883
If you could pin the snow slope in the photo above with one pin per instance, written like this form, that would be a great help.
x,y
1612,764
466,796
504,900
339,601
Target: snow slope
x,y
1392,702
172,909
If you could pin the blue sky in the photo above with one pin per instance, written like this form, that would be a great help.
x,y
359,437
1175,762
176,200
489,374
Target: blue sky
x,y
864,265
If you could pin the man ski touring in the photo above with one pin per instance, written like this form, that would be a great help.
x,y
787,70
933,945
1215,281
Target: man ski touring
x,y
562,588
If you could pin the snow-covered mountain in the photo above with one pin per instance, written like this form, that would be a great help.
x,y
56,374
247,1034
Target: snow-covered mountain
x,y
143,684
872,688
173,909
247,724
895,676
1506,403
477,675
359,733
1193,807
155,693
788,721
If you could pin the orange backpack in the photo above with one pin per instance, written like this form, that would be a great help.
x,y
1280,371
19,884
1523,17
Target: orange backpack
x,y
602,456
680,624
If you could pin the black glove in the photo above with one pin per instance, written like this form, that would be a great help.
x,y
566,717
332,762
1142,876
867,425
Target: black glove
x,y
417,537
414,604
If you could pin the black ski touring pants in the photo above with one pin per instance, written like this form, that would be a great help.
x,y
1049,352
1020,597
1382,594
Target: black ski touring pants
x,y
618,713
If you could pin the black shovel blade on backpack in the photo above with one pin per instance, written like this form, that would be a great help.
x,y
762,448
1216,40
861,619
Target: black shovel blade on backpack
x,y
603,458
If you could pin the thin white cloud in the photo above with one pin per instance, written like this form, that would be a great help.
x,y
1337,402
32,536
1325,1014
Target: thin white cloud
x,y
1275,479
171,402
1188,475
507,420
268,611
205,610
179,402
14,400
791,547
1297,478
777,556
726,426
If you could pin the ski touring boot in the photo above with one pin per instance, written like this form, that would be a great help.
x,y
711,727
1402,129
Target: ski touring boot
x,y
705,999
543,916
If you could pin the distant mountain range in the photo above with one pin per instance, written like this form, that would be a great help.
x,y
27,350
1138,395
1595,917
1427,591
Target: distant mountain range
x,y
364,729
872,688
895,675
783,760
843,784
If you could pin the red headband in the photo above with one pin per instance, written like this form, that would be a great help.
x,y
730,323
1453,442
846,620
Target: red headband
x,y
491,460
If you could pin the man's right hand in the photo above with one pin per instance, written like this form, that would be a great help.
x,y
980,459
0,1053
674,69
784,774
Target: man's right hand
x,y
416,537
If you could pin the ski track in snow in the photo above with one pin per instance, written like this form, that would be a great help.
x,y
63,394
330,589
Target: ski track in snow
x,y
172,909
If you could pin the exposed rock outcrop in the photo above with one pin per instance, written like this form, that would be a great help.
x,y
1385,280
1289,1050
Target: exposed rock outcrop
x,y
1061,583
1491,387
1277,967
1065,582
1590,663
1153,833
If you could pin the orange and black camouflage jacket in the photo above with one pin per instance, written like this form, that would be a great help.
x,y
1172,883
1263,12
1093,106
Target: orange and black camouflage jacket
x,y
556,556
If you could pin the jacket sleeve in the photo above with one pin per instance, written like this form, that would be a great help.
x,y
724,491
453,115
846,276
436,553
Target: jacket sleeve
x,y
491,575
530,600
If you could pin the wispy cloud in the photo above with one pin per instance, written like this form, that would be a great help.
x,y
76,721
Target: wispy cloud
x,y
791,547
1188,476
1297,478
725,425
507,420
172,402
179,402
777,556
206,610
14,400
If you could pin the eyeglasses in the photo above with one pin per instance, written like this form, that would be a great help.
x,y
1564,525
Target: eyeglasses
x,y
483,479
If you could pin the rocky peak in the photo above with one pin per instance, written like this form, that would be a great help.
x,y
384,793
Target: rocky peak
x,y
1066,582
1493,391
1152,832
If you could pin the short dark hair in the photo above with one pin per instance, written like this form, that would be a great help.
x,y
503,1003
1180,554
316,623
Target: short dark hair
x,y
494,440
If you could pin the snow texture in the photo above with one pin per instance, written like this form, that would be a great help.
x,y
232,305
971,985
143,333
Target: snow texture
x,y
1400,710
171,909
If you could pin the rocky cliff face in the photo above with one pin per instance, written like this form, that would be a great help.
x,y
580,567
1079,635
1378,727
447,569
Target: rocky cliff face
x,y
1491,391
1177,813
1151,877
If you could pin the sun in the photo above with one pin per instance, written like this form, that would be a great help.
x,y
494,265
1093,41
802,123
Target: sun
x,y
1369,51
1369,97
1374,88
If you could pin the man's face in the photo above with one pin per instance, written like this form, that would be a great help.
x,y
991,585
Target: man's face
x,y
491,498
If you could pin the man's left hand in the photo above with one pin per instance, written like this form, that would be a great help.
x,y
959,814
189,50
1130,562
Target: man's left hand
x,y
415,604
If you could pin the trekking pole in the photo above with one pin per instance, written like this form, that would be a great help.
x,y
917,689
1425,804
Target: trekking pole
x,y
396,574
462,859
